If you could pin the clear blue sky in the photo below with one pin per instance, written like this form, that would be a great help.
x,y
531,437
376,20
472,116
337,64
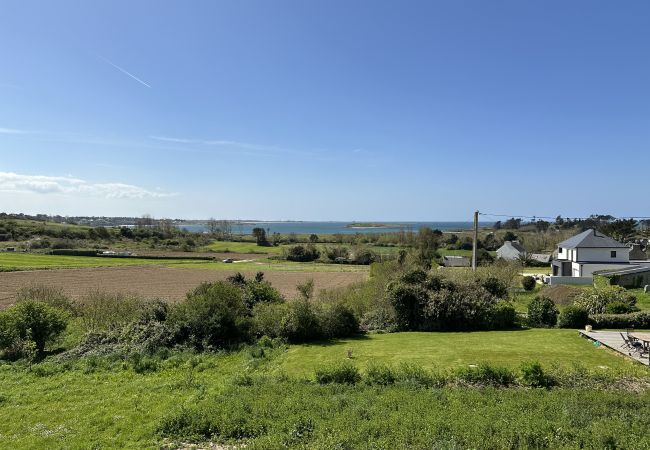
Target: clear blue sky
x,y
330,110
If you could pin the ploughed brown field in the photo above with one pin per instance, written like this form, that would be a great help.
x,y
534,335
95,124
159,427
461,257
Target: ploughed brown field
x,y
166,283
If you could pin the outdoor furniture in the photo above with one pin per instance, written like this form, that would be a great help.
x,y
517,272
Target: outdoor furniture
x,y
631,344
644,339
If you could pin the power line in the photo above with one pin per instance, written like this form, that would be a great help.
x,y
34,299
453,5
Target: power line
x,y
521,216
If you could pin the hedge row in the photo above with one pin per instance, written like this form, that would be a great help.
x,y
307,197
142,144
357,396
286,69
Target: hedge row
x,y
633,320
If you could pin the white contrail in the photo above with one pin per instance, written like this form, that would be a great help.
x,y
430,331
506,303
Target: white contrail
x,y
126,72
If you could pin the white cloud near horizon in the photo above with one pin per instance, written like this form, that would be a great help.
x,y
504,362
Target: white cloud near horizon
x,y
12,131
43,184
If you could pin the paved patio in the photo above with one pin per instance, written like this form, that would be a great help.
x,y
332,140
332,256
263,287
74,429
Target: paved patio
x,y
614,341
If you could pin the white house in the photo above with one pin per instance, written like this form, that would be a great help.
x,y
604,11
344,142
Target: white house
x,y
588,252
510,250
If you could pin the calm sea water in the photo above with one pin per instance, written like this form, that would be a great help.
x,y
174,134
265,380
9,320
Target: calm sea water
x,y
334,227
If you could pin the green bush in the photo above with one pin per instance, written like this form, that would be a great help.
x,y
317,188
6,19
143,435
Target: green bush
x,y
300,323
54,297
212,315
459,306
486,374
380,374
502,316
495,286
303,253
30,321
382,318
267,319
344,373
528,283
595,300
337,321
533,375
639,320
409,301
573,316
619,307
542,312
260,292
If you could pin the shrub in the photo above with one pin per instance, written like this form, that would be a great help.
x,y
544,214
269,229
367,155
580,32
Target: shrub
x,y
380,374
303,253
300,323
416,375
618,307
337,253
109,311
533,375
486,374
54,297
495,286
542,312
528,283
364,257
408,301
260,292
337,320
595,300
32,321
267,319
634,320
212,315
460,306
344,373
573,316
381,318
502,316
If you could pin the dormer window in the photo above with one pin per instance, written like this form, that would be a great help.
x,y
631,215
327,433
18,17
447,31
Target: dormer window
x,y
613,253
560,250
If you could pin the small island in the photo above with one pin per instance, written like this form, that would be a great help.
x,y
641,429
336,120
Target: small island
x,y
371,225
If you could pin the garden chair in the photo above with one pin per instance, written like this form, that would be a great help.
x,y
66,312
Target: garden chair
x,y
630,344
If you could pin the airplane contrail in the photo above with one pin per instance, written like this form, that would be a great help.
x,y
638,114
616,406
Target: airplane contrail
x,y
126,72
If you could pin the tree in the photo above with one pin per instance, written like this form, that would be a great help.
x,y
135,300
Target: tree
x,y
260,236
313,238
512,224
542,225
213,226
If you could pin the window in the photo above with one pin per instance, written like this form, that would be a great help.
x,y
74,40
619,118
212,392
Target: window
x,y
560,250
613,253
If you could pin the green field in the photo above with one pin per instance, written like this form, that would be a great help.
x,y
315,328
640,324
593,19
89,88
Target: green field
x,y
121,402
444,350
30,261
34,261
240,247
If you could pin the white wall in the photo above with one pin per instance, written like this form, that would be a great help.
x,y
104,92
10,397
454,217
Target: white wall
x,y
603,255
587,270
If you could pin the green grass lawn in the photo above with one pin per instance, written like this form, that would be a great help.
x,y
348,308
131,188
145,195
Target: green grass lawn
x,y
443,350
240,247
544,270
642,299
106,403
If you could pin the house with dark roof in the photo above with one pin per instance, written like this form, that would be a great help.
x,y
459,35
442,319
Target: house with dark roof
x,y
589,252
511,251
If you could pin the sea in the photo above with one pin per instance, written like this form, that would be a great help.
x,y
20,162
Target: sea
x,y
335,227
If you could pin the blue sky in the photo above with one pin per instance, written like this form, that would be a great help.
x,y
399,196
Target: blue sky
x,y
330,110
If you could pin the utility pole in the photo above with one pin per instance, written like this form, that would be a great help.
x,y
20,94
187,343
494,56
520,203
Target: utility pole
x,y
474,243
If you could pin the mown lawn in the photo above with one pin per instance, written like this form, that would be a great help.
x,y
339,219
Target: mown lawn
x,y
444,350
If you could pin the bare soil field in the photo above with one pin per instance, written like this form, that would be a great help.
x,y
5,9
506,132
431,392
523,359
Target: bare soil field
x,y
166,283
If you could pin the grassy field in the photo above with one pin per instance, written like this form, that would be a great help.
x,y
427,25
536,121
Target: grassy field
x,y
123,403
22,261
438,350
33,261
240,247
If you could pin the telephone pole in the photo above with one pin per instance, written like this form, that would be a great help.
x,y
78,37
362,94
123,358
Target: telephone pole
x,y
474,243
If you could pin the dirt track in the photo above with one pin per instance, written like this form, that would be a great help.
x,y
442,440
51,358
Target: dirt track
x,y
156,281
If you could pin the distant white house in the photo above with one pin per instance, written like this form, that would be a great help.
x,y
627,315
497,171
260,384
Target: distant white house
x,y
511,251
579,257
